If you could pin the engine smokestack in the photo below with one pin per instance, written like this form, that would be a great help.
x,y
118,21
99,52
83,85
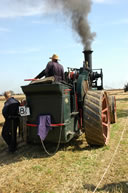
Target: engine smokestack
x,y
88,57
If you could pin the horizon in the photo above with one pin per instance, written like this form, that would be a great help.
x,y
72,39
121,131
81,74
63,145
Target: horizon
x,y
31,33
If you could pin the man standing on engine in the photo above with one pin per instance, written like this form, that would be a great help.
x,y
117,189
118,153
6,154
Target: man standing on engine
x,y
53,68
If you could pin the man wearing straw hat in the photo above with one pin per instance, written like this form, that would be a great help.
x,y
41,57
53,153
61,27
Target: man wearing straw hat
x,y
53,68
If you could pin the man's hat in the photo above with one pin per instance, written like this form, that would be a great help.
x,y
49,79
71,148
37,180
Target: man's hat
x,y
55,57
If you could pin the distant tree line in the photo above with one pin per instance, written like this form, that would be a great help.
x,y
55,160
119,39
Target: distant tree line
x,y
13,93
126,87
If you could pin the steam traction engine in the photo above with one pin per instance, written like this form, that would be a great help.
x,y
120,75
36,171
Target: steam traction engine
x,y
78,104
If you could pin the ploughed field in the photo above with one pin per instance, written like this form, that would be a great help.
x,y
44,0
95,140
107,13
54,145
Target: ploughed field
x,y
75,168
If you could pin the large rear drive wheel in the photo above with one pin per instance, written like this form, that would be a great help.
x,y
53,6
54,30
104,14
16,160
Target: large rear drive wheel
x,y
96,118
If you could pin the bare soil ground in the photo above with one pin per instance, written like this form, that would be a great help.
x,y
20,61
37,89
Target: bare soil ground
x,y
75,168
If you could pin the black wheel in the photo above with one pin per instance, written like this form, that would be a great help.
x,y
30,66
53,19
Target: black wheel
x,y
96,118
112,107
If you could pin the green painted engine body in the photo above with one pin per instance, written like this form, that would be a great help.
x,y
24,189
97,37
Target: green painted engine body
x,y
51,99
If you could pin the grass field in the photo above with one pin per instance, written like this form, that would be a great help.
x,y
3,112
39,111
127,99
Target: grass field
x,y
75,168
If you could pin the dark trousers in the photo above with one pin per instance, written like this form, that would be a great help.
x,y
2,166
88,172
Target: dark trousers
x,y
9,133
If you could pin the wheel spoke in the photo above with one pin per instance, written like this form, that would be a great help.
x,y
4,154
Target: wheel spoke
x,y
103,115
105,124
105,110
103,98
104,136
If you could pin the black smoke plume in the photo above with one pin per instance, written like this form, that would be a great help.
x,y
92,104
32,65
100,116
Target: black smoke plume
x,y
77,11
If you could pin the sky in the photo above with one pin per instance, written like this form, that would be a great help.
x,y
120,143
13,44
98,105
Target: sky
x,y
31,32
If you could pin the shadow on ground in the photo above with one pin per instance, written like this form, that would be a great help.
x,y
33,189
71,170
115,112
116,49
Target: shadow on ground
x,y
30,151
110,188
78,144
122,113
24,151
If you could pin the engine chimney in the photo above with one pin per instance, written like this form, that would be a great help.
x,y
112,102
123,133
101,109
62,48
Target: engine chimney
x,y
88,57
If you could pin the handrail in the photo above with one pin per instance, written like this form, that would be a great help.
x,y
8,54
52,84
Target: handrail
x,y
52,125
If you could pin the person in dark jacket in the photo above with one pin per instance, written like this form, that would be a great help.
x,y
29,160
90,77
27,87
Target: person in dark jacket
x,y
10,113
53,68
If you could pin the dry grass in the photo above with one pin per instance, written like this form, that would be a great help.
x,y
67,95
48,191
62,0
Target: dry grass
x,y
1,117
75,168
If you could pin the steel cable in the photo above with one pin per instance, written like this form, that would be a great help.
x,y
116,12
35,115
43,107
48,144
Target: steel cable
x,y
112,157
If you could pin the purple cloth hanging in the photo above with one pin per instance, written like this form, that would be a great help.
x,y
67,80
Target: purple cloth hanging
x,y
44,126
